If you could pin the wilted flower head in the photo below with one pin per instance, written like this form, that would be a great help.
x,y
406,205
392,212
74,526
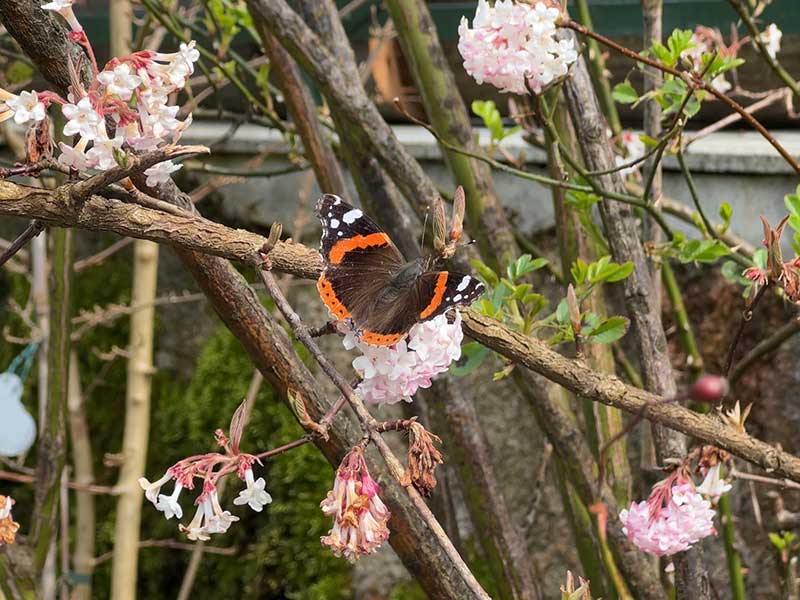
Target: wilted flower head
x,y
359,515
8,527
391,374
423,458
736,417
513,46
674,517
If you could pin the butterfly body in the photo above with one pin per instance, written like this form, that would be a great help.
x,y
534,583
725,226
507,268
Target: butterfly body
x,y
367,280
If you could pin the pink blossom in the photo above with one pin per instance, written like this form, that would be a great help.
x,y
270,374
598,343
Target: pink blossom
x,y
513,44
391,374
674,517
359,515
634,149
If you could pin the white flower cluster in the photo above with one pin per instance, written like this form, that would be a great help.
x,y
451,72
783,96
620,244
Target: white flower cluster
x,y
513,46
209,518
130,97
391,374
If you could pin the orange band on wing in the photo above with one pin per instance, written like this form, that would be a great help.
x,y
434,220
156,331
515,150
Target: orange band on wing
x,y
381,339
328,296
438,294
357,242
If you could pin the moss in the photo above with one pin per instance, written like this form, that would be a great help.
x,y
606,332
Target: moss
x,y
278,553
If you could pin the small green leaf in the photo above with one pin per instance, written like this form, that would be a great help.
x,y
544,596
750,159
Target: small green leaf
x,y
777,541
472,356
609,330
624,93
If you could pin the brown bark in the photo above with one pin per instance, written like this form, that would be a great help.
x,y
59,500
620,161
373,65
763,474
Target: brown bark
x,y
202,236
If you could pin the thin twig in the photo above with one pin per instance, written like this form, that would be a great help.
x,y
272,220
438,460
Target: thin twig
x,y
747,315
692,80
763,348
31,231
96,259
73,485
173,545
369,425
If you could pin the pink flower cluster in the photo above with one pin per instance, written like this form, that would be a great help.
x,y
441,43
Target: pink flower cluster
x,y
513,44
127,106
359,515
391,374
209,518
674,517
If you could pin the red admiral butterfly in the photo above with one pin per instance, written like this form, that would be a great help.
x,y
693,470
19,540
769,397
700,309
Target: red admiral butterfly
x,y
366,279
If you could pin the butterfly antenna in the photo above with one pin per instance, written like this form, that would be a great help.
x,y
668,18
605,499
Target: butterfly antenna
x,y
424,228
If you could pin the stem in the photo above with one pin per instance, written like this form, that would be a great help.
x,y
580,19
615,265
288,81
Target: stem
x,y
31,231
684,325
731,551
747,314
368,425
85,523
692,81
763,348
52,446
755,34
597,64
450,119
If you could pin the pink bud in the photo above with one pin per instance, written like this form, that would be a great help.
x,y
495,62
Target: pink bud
x,y
709,388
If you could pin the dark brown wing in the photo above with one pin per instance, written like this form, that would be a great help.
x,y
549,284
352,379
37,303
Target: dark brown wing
x,y
360,260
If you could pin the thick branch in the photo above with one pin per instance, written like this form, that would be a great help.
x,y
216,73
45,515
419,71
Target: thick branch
x,y
201,235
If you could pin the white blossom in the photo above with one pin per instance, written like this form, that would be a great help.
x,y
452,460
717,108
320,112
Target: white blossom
x,y
121,81
161,172
713,486
254,495
26,107
151,489
83,119
74,157
771,38
169,504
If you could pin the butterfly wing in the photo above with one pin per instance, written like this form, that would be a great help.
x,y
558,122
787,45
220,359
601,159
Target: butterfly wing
x,y
360,260
439,291
431,295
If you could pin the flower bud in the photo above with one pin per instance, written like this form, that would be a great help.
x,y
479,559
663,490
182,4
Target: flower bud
x,y
709,388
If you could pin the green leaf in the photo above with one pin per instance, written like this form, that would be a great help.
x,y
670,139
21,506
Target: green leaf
x,y
486,272
609,330
624,93
562,312
725,213
760,258
702,251
475,354
487,110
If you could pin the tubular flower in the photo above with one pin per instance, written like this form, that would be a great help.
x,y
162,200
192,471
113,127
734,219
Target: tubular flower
x,y
359,515
254,495
771,38
674,517
513,46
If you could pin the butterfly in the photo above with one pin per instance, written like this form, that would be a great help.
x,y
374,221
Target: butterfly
x,y
367,280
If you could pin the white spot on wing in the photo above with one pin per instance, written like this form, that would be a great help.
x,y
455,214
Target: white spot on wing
x,y
337,202
464,283
457,297
339,234
334,223
351,215
330,214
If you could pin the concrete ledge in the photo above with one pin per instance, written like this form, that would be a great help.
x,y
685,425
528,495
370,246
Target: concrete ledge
x,y
722,152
